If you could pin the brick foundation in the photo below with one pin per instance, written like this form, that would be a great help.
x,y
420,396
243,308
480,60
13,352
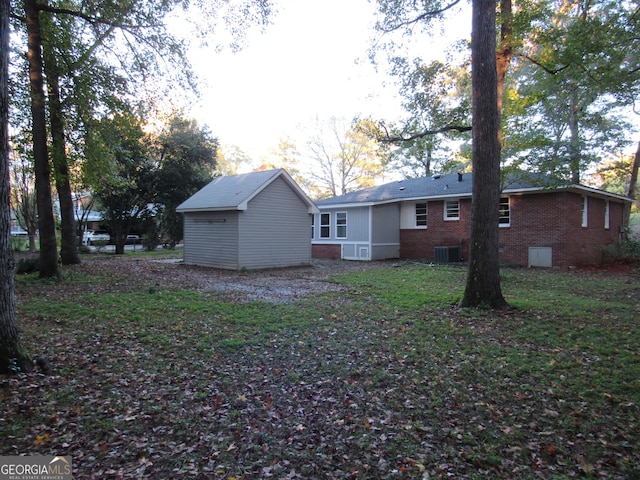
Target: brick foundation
x,y
326,251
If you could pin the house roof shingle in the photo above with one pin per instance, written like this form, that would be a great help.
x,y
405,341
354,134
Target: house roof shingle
x,y
449,185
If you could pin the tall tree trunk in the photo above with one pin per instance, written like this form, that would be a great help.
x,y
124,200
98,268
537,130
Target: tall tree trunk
x,y
11,357
633,182
68,242
505,52
483,278
46,221
574,132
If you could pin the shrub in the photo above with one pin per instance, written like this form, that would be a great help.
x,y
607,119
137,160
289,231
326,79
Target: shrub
x,y
19,243
28,265
623,250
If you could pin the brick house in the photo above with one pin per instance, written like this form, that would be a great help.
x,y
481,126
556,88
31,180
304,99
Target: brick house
x,y
542,223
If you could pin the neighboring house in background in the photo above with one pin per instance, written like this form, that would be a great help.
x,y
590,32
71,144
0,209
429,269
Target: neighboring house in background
x,y
255,220
541,223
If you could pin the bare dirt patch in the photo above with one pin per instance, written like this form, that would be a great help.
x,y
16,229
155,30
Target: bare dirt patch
x,y
275,285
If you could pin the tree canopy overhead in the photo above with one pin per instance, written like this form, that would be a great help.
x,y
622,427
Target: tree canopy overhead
x,y
567,80
96,58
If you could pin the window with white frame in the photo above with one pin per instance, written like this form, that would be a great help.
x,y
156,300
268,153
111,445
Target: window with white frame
x,y
341,225
504,212
325,225
313,226
606,215
421,214
452,209
585,211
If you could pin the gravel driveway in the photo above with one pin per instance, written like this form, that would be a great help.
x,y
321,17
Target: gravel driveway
x,y
276,285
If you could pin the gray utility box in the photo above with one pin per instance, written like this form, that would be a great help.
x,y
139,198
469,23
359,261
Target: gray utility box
x,y
447,254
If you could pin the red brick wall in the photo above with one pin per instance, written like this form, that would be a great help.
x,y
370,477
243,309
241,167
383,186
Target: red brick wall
x,y
555,220
326,251
537,220
440,233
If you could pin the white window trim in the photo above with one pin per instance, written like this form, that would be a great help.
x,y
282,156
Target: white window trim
x,y
426,214
607,215
505,225
338,225
585,211
328,225
446,217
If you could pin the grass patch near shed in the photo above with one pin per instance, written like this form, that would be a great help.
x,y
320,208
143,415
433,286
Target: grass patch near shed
x,y
387,378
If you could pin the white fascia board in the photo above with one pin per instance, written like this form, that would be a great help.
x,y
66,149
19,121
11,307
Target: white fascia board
x,y
345,205
568,188
601,193
209,209
394,200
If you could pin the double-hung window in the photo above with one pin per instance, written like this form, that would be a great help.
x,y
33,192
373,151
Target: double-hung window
x,y
421,214
325,225
341,225
504,212
607,222
585,211
313,226
452,209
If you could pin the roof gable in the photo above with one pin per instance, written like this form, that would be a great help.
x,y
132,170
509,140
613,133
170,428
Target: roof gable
x,y
234,192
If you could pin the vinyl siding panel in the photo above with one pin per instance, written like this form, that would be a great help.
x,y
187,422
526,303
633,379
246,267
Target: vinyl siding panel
x,y
385,225
357,224
274,230
385,232
210,239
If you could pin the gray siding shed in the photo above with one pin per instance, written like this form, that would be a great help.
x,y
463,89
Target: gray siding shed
x,y
255,220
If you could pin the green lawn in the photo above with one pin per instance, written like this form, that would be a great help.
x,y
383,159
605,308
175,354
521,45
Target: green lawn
x,y
387,379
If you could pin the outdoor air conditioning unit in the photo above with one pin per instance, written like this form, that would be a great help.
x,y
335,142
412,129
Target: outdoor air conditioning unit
x,y
447,254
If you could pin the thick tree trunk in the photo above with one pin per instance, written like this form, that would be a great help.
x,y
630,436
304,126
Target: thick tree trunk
x,y
633,182
505,53
46,221
68,242
483,279
11,357
574,139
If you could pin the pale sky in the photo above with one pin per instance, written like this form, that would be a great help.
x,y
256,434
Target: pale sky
x,y
311,62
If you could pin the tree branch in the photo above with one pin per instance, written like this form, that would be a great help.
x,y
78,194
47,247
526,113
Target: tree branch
x,y
88,18
550,71
422,16
401,139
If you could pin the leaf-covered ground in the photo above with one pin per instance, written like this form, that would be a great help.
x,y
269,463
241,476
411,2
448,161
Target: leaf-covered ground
x,y
164,371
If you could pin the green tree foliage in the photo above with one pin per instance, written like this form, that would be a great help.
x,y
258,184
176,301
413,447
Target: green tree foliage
x,y
566,105
437,97
91,46
185,158
567,74
124,175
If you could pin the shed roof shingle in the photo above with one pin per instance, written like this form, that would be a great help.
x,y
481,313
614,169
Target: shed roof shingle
x,y
233,192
